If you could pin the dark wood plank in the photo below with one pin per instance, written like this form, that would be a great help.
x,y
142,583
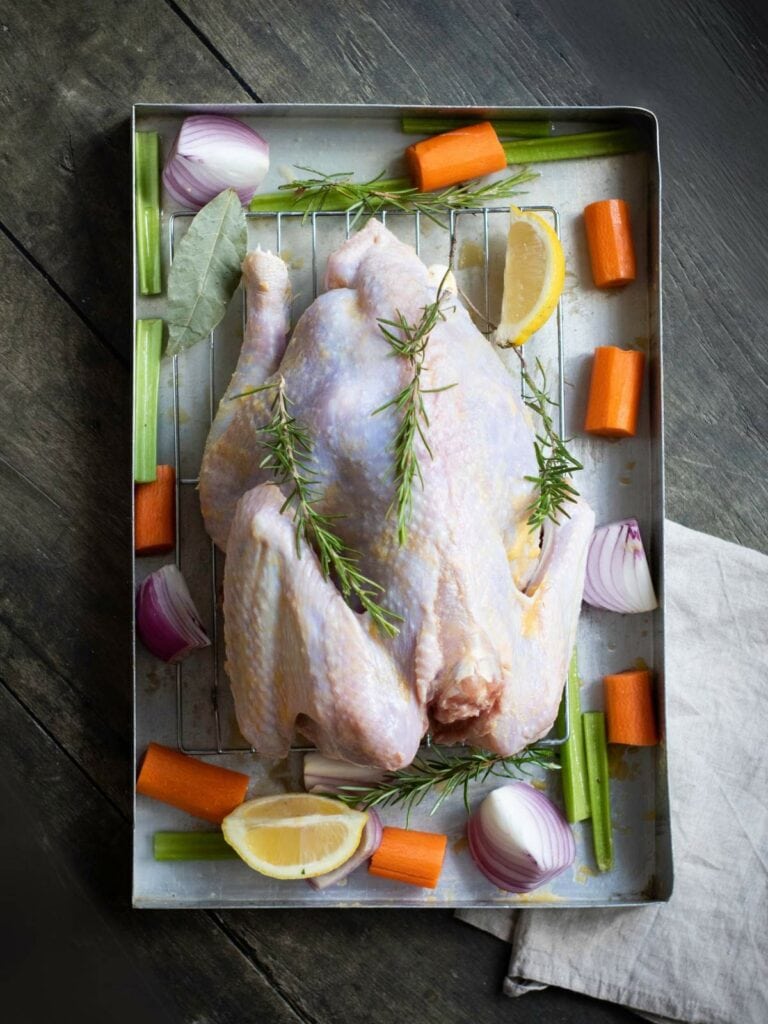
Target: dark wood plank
x,y
702,67
70,73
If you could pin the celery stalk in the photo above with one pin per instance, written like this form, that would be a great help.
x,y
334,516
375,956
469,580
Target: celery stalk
x,y
572,754
191,846
504,129
287,201
147,185
149,341
599,795
572,147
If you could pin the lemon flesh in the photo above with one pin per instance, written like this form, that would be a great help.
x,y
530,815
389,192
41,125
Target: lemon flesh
x,y
294,835
534,273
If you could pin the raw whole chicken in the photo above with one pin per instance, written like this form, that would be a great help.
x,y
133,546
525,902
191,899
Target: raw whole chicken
x,y
489,618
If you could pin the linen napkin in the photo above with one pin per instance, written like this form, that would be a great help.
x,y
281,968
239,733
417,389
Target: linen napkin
x,y
702,957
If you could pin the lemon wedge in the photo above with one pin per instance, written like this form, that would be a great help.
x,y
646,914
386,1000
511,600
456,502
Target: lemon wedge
x,y
534,273
294,835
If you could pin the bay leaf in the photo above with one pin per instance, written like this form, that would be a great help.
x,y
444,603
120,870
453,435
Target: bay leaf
x,y
205,271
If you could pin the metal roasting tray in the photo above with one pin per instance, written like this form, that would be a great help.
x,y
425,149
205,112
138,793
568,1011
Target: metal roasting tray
x,y
190,707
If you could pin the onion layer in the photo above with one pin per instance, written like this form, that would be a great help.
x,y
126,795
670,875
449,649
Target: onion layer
x,y
166,617
328,775
617,577
369,844
212,153
519,839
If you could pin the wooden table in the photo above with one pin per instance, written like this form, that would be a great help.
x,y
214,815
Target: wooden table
x,y
69,72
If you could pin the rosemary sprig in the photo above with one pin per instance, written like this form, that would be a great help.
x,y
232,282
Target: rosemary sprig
x,y
289,451
438,770
367,198
555,463
410,342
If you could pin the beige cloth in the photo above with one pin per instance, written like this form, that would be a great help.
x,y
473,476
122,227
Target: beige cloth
x,y
702,957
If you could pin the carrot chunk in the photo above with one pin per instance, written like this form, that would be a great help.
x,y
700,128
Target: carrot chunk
x,y
629,709
609,239
203,790
154,514
614,392
405,855
455,156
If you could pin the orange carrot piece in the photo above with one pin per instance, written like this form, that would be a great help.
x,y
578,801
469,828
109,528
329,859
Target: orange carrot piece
x,y
154,515
203,790
405,855
629,709
455,156
614,392
609,239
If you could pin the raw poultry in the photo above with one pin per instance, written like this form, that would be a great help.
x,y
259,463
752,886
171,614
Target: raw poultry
x,y
488,619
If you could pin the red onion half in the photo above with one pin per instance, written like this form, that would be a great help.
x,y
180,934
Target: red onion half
x,y
617,577
369,844
166,617
212,153
519,839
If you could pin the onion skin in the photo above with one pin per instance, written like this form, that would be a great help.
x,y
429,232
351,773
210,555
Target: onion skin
x,y
617,577
212,153
369,844
498,852
166,618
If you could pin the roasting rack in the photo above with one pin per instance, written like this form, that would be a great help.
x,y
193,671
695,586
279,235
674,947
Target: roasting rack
x,y
213,714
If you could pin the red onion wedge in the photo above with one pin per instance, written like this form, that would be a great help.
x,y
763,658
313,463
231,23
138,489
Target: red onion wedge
x,y
519,839
369,844
166,618
618,579
212,153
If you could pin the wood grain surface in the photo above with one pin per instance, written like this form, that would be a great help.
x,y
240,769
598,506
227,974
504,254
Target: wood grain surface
x,y
69,73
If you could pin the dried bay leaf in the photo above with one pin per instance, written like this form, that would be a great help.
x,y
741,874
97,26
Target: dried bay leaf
x,y
205,271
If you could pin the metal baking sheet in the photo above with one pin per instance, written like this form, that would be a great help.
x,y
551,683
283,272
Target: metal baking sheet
x,y
190,708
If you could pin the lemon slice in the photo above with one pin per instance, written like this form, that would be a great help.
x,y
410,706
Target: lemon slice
x,y
534,272
294,835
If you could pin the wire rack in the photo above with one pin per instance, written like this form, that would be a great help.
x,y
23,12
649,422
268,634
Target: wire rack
x,y
213,714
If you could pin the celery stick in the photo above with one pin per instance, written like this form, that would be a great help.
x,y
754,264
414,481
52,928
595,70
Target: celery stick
x,y
572,754
286,200
599,796
504,129
571,147
147,185
192,846
146,373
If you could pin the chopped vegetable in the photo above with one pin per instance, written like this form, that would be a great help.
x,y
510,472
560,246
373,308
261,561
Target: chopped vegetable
x,y
191,846
327,775
614,392
519,839
573,147
155,514
609,239
205,271
456,156
166,617
599,795
149,343
294,835
212,153
572,755
147,200
405,855
369,844
617,577
629,709
504,129
202,790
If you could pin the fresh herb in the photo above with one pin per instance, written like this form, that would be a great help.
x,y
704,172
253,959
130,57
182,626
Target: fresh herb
x,y
289,452
367,198
410,342
147,194
439,771
205,271
555,462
